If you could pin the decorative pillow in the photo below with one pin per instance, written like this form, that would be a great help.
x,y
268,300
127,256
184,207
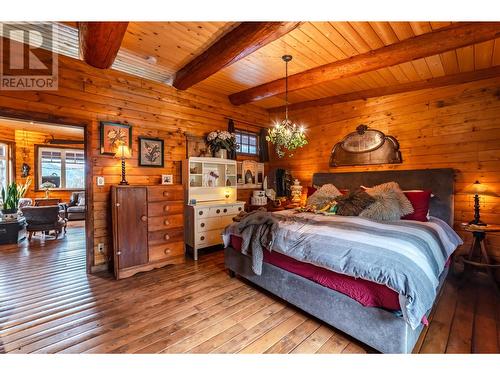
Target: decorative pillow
x,y
81,201
353,203
385,208
323,195
311,190
420,201
404,204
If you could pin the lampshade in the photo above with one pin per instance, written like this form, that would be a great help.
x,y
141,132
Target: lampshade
x,y
123,151
479,189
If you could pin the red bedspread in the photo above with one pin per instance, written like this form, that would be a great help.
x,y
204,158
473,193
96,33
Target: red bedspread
x,y
365,292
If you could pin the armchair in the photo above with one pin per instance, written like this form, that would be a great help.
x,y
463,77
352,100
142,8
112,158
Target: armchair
x,y
73,210
43,219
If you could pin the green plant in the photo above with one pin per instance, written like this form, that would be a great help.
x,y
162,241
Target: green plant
x,y
12,193
286,137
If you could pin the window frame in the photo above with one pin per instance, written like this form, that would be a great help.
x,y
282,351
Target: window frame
x,y
11,161
250,133
64,150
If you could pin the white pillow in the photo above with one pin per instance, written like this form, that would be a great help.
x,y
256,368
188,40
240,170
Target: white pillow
x,y
81,201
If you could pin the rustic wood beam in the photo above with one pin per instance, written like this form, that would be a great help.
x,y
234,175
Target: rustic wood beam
x,y
430,83
100,42
439,41
231,47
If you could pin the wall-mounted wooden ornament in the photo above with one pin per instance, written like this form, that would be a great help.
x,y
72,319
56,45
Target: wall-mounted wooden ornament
x,y
364,147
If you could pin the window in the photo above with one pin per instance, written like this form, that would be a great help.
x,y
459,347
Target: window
x,y
247,142
63,167
4,165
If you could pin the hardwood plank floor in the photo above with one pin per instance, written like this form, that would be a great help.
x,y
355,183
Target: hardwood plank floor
x,y
48,304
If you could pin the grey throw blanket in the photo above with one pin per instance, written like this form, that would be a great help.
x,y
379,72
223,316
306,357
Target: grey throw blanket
x,y
257,230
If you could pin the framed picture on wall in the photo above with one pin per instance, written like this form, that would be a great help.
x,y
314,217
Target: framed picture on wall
x,y
151,152
113,135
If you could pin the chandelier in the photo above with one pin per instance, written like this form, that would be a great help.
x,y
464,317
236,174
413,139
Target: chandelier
x,y
286,135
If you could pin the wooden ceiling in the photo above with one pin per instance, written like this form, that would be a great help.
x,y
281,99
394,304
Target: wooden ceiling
x,y
312,44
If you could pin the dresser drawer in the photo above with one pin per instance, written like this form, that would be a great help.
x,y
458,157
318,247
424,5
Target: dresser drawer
x,y
211,223
219,211
165,236
209,238
165,193
164,208
165,222
166,251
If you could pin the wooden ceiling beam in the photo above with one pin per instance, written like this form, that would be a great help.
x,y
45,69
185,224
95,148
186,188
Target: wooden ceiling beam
x,y
100,42
230,48
395,89
429,44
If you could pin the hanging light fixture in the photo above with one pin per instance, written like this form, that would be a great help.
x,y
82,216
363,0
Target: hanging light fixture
x,y
286,135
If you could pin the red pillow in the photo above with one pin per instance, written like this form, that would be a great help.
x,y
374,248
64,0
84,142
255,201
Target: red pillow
x,y
420,202
310,191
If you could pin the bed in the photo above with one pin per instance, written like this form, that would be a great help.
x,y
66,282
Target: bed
x,y
373,323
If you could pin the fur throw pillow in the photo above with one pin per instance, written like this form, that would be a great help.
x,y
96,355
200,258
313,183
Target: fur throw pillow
x,y
385,208
353,203
385,193
324,195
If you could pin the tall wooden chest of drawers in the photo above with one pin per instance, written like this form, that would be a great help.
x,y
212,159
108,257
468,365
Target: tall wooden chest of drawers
x,y
148,227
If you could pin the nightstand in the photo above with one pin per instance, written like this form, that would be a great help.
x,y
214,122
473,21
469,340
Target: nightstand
x,y
478,253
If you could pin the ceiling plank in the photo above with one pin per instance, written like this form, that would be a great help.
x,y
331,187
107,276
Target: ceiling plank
x,y
424,45
395,89
100,42
230,48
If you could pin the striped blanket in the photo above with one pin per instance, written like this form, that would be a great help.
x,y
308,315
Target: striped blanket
x,y
406,256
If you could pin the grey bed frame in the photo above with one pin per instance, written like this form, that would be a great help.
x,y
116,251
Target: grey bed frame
x,y
378,328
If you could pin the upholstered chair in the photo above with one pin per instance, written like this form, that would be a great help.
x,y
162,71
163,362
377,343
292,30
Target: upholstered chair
x,y
75,208
43,219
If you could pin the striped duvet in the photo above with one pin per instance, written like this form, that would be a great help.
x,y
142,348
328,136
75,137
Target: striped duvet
x,y
406,256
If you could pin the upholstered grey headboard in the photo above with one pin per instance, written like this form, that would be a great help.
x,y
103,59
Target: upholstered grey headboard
x,y
440,181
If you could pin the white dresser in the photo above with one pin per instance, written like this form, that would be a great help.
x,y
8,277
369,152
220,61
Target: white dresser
x,y
211,182
206,221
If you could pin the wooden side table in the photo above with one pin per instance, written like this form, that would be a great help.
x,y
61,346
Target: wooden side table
x,y
478,253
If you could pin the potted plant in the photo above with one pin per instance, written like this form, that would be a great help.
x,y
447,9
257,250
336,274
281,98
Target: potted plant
x,y
220,142
11,195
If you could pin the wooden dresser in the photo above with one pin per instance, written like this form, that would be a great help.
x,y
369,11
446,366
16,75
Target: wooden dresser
x,y
148,227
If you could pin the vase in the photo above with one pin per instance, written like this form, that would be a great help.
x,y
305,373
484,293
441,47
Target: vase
x,y
222,154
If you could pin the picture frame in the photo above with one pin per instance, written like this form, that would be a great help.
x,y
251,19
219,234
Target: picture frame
x,y
167,179
151,152
112,135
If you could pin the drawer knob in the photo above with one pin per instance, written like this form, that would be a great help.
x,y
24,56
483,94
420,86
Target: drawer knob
x,y
239,208
225,210
166,208
118,205
200,213
167,237
144,218
167,251
167,222
166,193
118,253
202,238
218,211
202,225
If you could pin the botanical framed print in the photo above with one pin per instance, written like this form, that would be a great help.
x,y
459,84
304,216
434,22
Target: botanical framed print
x,y
151,152
113,135
167,179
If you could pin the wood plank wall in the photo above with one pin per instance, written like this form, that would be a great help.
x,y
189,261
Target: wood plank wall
x,y
29,139
91,95
451,127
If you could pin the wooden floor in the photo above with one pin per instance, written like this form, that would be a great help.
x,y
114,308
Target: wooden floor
x,y
49,305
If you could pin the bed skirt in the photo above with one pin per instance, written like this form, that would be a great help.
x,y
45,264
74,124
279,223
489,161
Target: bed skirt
x,y
378,328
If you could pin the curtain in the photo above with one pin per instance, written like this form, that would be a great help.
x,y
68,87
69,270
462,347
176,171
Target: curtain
x,y
230,128
263,146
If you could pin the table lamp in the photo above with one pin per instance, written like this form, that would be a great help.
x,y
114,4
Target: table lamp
x,y
123,152
477,189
